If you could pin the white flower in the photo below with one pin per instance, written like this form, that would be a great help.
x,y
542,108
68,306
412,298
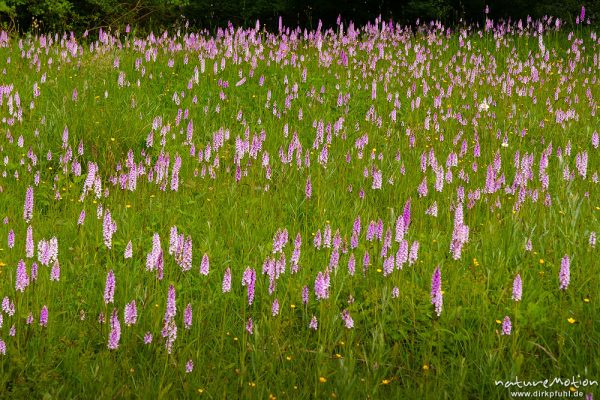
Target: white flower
x,y
484,106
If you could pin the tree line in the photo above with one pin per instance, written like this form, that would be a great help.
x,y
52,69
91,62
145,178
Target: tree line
x,y
146,15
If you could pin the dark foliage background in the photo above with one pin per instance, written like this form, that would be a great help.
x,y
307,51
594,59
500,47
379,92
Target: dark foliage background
x,y
145,15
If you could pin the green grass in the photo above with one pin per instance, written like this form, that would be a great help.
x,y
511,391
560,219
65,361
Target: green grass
x,y
398,347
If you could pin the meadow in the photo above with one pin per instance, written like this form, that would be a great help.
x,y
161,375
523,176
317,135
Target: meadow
x,y
359,212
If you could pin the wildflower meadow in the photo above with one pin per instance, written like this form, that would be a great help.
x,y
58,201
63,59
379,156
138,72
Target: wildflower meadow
x,y
376,211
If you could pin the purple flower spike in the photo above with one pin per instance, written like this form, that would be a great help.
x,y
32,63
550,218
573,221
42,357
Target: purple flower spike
x,y
506,326
564,275
436,291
